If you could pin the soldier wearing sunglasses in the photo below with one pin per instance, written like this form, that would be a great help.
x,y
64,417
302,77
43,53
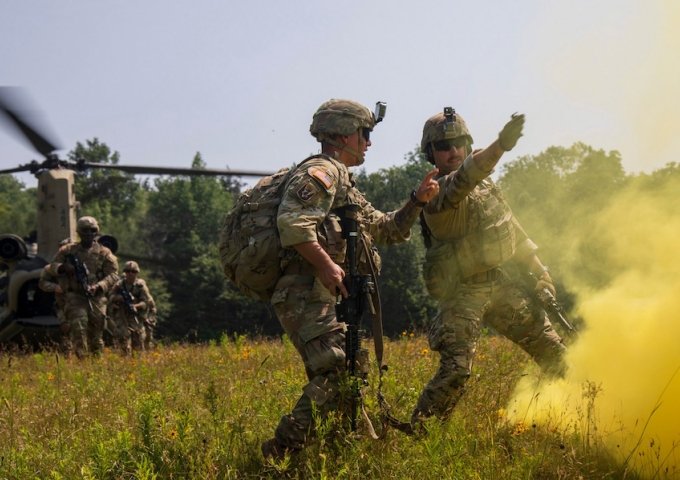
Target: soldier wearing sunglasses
x,y
476,253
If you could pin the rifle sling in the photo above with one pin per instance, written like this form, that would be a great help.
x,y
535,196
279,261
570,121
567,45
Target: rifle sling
x,y
376,319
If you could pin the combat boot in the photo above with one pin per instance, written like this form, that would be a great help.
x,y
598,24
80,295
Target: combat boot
x,y
274,450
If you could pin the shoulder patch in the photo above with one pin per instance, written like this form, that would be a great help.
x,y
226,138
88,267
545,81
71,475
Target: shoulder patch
x,y
307,191
322,176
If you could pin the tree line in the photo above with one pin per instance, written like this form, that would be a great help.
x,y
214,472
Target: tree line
x,y
171,225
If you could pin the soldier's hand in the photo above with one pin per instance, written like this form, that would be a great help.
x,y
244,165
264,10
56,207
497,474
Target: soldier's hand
x,y
331,277
545,282
58,289
66,269
429,187
507,138
93,289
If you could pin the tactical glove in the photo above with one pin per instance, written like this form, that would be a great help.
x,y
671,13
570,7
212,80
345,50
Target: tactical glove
x,y
546,282
507,138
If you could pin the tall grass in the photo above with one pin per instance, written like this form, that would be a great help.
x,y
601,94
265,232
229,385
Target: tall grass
x,y
202,412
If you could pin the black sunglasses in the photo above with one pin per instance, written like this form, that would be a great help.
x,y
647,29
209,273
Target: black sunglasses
x,y
366,133
446,145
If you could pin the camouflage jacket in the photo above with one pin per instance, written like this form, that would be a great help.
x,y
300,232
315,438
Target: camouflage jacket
x,y
101,264
472,215
306,213
140,295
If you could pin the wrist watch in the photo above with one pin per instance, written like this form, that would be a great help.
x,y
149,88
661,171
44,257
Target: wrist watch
x,y
415,200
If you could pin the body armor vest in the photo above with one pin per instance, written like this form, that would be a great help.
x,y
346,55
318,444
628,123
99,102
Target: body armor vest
x,y
485,241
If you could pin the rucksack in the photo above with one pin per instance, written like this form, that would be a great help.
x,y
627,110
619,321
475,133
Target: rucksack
x,y
249,244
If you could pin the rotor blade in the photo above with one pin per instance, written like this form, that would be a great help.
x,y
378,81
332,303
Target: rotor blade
x,y
173,170
9,95
20,168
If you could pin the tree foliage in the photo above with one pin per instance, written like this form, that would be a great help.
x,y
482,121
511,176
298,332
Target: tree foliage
x,y
405,302
17,207
171,228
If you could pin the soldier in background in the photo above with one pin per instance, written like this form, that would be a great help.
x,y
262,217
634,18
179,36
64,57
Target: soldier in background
x,y
477,251
130,306
50,283
305,296
87,271
150,325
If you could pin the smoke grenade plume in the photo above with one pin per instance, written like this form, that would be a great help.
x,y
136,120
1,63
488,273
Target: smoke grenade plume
x,y
622,389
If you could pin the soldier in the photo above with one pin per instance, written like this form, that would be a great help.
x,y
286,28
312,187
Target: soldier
x,y
131,303
314,263
50,283
150,325
87,270
476,252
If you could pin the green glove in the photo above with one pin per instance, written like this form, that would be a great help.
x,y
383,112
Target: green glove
x,y
507,138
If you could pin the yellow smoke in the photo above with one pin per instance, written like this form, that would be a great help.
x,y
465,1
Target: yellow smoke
x,y
623,383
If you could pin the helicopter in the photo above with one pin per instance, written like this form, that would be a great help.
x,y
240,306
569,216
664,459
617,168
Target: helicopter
x,y
27,313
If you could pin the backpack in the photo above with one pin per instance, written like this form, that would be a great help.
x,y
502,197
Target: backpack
x,y
249,244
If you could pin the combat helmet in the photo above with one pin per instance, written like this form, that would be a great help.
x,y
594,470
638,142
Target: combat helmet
x,y
87,225
340,117
131,266
445,125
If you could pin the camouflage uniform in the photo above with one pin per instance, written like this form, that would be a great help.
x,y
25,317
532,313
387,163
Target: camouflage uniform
x,y
472,268
150,325
49,283
85,317
130,329
303,305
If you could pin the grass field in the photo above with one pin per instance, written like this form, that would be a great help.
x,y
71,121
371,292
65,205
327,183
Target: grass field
x,y
202,411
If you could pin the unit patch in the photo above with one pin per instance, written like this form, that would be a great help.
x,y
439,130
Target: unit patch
x,y
307,191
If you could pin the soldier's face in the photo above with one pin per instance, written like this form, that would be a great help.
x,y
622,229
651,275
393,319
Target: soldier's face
x,y
130,276
359,141
87,236
448,156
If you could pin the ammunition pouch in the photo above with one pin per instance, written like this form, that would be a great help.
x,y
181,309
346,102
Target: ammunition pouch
x,y
441,270
487,248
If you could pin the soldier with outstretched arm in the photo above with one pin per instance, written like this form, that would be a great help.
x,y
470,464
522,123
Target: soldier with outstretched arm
x,y
476,254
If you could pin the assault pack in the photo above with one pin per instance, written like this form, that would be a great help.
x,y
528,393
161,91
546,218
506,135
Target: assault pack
x,y
249,244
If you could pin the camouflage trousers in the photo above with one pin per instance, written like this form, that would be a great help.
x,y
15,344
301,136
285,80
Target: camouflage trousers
x,y
85,324
149,327
455,331
129,333
306,311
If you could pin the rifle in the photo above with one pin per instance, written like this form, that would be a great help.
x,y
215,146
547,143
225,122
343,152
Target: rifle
x,y
128,300
547,300
350,310
81,273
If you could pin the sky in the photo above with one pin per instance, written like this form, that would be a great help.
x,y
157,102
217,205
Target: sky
x,y
238,82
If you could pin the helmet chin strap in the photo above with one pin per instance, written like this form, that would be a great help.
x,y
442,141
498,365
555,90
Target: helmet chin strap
x,y
343,147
